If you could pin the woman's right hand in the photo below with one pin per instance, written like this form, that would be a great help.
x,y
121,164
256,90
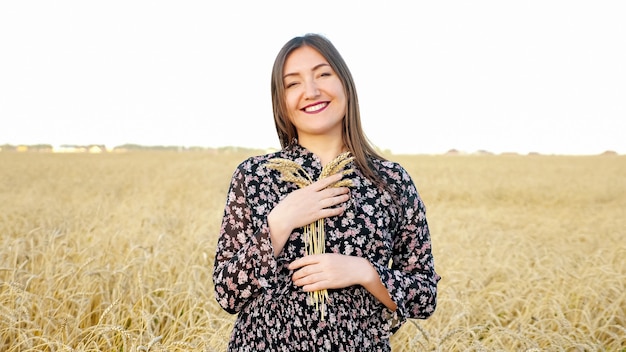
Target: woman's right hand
x,y
304,206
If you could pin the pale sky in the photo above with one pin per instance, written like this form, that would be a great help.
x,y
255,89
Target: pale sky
x,y
503,76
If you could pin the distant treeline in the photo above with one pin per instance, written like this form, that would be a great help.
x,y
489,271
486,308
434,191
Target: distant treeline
x,y
100,148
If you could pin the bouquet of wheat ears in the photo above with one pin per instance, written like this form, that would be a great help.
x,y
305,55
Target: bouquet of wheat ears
x,y
314,240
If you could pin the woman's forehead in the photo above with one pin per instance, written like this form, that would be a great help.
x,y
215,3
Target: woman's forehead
x,y
304,58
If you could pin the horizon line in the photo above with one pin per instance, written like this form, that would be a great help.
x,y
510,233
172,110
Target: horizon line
x,y
102,148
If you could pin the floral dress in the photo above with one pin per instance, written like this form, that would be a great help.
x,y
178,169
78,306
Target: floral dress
x,y
385,225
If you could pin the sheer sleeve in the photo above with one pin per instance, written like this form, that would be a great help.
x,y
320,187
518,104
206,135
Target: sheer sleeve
x,y
244,260
411,278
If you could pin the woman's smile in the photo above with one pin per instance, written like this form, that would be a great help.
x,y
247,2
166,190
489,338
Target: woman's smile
x,y
315,108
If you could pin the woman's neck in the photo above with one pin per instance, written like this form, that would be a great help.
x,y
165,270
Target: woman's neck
x,y
326,149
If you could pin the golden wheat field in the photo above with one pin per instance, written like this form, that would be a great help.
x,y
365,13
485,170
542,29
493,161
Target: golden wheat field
x,y
114,252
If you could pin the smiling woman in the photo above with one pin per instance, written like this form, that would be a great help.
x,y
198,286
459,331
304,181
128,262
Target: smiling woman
x,y
312,259
314,96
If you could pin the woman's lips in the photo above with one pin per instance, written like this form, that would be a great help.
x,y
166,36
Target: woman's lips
x,y
315,107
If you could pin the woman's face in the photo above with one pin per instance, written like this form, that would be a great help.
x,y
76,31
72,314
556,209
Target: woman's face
x,y
314,95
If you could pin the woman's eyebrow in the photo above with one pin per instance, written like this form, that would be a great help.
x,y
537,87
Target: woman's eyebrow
x,y
316,67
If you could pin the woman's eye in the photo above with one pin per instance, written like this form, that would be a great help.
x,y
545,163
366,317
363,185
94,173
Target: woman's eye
x,y
290,84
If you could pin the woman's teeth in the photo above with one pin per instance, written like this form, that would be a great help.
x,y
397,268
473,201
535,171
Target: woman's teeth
x,y
316,107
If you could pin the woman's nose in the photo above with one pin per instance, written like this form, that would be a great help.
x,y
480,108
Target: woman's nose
x,y
311,90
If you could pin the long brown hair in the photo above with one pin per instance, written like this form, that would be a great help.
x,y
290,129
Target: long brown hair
x,y
353,136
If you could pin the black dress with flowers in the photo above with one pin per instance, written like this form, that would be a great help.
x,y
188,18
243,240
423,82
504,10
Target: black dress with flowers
x,y
391,231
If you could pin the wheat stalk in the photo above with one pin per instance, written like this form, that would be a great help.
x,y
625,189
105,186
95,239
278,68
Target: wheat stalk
x,y
314,234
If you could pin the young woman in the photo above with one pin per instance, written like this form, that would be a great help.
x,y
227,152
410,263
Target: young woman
x,y
377,269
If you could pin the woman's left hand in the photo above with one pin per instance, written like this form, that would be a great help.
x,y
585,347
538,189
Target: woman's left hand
x,y
330,270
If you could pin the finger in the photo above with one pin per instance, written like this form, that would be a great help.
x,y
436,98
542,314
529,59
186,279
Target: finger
x,y
303,276
309,280
327,181
336,200
334,211
337,191
316,286
303,261
307,275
